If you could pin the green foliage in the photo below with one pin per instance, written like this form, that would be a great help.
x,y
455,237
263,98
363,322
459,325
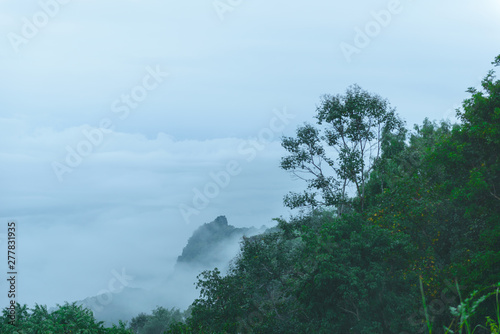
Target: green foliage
x,y
157,323
353,276
469,160
426,211
355,127
68,318
255,294
316,274
467,309
137,323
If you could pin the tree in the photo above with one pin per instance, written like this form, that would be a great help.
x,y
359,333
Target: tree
x,y
344,153
468,161
68,318
137,323
157,323
430,214
217,309
351,277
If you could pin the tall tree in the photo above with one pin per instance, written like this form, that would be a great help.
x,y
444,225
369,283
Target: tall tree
x,y
342,151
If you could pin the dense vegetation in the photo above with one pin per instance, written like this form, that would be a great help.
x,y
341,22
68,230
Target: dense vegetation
x,y
396,229
424,213
68,318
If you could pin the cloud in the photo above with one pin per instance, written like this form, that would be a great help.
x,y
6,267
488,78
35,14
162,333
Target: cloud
x,y
119,208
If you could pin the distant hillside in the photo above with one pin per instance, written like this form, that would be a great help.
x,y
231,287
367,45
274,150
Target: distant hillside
x,y
120,306
213,244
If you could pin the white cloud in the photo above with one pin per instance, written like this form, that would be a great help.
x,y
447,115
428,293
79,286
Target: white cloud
x,y
119,206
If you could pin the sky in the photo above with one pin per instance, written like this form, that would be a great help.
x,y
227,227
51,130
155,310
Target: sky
x,y
127,124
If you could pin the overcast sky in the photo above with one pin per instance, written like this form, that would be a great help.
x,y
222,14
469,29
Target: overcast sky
x,y
127,124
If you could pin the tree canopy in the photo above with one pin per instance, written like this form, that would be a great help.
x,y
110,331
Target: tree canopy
x,y
399,254
422,222
342,151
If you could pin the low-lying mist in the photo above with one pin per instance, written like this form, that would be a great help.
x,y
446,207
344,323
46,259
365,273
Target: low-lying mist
x,y
212,245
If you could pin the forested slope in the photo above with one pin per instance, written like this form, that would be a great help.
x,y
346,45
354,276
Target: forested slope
x,y
425,213
396,228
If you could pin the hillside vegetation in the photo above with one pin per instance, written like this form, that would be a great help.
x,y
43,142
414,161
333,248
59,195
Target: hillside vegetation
x,y
398,231
424,222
